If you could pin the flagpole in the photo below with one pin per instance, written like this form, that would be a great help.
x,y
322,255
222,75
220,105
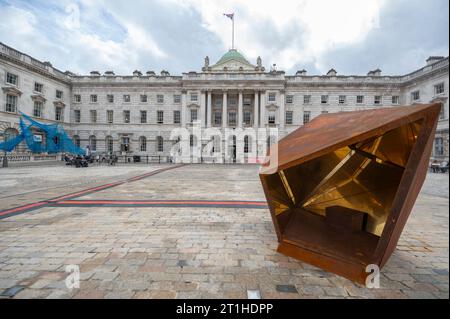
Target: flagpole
x,y
232,34
231,16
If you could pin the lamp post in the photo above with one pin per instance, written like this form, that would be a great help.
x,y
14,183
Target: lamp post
x,y
5,160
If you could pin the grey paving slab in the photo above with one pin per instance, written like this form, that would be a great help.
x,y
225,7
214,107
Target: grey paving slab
x,y
152,252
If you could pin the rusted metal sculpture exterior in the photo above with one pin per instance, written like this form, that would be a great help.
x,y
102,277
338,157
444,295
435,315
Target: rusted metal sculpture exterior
x,y
340,188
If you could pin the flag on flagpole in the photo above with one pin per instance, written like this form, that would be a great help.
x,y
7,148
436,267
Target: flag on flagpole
x,y
229,15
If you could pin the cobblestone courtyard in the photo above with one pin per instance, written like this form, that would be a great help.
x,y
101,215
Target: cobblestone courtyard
x,y
138,251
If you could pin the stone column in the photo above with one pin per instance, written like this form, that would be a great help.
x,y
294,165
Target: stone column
x,y
256,111
263,109
224,109
202,108
282,110
240,110
209,109
183,108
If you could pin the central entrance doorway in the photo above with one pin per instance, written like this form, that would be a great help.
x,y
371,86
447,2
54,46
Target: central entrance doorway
x,y
233,149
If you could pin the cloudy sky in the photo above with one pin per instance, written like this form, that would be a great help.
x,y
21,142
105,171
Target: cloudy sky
x,y
352,36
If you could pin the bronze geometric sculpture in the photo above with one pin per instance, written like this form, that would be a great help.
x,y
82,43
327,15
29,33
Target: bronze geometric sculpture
x,y
341,187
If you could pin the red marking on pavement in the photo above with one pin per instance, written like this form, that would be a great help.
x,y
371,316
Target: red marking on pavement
x,y
32,206
164,202
136,178
22,208
89,190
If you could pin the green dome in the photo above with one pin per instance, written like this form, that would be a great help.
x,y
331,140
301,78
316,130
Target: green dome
x,y
233,54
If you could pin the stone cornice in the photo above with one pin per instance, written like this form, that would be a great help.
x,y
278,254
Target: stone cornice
x,y
290,84
426,76
12,90
34,68
136,85
219,78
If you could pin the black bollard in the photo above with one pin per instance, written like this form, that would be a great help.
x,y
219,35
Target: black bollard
x,y
5,161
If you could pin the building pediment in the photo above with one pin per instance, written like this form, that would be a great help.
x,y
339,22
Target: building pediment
x,y
38,98
441,99
233,65
11,90
193,105
59,103
232,61
272,107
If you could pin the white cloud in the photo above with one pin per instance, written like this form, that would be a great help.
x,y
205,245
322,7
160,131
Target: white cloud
x,y
121,54
138,39
84,35
73,31
321,25
12,17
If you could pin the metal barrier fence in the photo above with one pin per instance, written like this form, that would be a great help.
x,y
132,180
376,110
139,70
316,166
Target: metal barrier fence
x,y
30,158
125,159
146,159
159,159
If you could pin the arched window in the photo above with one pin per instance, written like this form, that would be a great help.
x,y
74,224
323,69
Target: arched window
x,y
93,142
216,144
247,146
76,140
109,144
176,146
143,143
10,133
159,144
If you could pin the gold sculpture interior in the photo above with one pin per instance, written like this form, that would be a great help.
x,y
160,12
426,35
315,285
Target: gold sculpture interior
x,y
337,204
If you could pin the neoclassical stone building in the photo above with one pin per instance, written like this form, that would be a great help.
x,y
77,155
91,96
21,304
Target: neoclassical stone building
x,y
135,114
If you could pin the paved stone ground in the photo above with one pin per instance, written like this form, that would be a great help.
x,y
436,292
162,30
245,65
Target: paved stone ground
x,y
190,252
23,185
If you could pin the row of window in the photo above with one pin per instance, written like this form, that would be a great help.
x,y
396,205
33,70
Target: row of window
x,y
342,99
377,99
438,145
126,98
217,117
11,106
438,90
127,116
160,98
125,143
38,108
124,146
38,111
324,99
13,79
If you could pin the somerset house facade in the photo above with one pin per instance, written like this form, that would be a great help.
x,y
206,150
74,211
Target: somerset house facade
x,y
136,114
